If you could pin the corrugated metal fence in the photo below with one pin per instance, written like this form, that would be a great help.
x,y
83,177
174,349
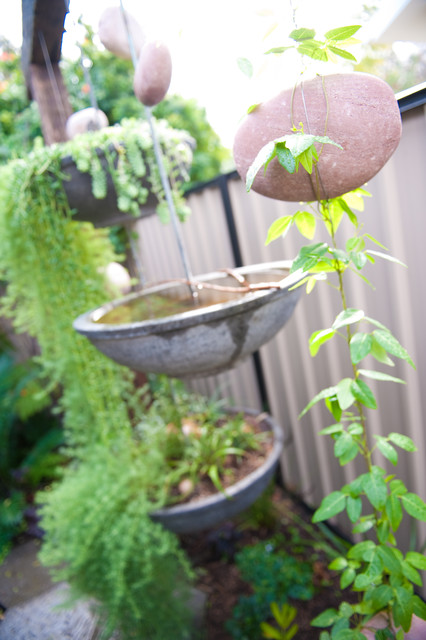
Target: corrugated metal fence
x,y
396,215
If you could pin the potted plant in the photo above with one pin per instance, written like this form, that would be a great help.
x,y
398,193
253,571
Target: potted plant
x,y
375,501
110,176
218,461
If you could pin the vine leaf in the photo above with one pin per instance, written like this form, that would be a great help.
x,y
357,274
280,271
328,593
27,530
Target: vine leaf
x,y
330,506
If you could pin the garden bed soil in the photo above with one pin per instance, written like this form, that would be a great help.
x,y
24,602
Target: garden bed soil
x,y
212,553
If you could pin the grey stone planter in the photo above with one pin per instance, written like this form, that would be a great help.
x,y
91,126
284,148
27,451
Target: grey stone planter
x,y
208,512
102,212
201,341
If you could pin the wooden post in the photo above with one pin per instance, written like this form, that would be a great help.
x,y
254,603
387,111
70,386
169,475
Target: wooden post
x,y
43,27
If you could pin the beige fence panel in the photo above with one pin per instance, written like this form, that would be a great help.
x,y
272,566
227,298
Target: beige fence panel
x,y
396,216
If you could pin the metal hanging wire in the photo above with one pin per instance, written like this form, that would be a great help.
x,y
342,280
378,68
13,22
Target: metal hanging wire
x,y
86,64
163,175
52,78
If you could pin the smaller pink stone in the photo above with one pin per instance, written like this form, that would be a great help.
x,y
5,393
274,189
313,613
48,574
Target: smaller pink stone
x,y
363,117
153,73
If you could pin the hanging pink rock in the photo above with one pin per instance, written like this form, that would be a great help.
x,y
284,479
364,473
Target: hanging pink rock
x,y
153,73
112,31
363,117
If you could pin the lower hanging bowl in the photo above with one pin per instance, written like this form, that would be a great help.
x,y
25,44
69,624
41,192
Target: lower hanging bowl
x,y
208,512
182,339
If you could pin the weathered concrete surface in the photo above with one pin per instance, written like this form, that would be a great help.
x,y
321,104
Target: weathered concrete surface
x,y
34,605
43,619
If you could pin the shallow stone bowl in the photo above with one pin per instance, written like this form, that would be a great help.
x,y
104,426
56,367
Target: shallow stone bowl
x,y
201,341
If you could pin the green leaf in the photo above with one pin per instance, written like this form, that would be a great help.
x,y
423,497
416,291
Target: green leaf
x,y
302,34
318,338
375,488
306,223
397,487
338,564
417,560
313,49
419,607
349,316
385,256
360,346
403,608
268,631
353,508
342,53
278,50
265,155
253,107
334,428
363,394
326,618
342,33
392,346
345,396
372,239
363,526
342,444
411,574
358,259
334,408
414,506
245,66
390,558
278,228
362,551
383,531
402,441
393,511
379,596
378,375
325,393
330,506
387,450
347,577
380,354
285,157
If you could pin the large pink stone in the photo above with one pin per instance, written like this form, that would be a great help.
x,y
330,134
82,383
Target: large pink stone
x,y
363,117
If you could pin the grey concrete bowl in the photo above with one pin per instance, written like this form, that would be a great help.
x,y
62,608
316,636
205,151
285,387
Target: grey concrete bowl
x,y
203,340
208,512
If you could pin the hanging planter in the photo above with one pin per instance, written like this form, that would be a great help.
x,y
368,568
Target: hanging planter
x,y
357,111
163,330
205,512
111,176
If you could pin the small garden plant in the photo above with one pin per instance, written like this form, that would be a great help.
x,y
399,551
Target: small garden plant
x,y
384,577
275,576
197,437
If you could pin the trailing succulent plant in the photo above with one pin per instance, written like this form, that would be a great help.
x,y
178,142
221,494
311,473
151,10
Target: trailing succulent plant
x,y
53,267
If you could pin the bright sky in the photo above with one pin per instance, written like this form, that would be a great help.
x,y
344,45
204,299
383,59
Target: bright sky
x,y
206,39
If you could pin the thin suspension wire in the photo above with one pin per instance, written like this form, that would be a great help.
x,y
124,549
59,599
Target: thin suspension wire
x,y
52,78
163,175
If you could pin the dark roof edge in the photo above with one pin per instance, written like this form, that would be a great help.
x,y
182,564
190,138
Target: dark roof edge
x,y
411,98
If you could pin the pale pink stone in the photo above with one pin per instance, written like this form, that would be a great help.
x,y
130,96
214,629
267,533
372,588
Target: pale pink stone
x,y
416,632
153,73
363,117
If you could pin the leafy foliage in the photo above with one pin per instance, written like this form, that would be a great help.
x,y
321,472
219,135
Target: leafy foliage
x,y
374,501
102,540
196,436
332,47
274,576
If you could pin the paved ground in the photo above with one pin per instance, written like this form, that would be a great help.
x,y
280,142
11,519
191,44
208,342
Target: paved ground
x,y
33,602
